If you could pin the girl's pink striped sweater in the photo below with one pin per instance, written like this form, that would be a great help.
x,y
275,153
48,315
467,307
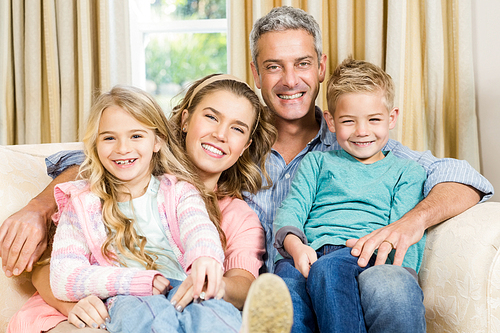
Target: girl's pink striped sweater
x,y
78,268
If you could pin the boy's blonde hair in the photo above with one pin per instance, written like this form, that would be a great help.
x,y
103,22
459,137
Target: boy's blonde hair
x,y
169,159
358,76
246,174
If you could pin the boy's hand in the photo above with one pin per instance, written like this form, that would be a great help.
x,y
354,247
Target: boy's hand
x,y
304,257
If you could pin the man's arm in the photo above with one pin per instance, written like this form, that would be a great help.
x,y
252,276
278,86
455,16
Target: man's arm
x,y
444,201
23,236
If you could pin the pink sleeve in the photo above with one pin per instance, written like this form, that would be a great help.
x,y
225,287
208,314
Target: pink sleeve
x,y
245,236
73,277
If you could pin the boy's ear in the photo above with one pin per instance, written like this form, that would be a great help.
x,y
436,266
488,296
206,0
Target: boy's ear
x,y
329,120
393,117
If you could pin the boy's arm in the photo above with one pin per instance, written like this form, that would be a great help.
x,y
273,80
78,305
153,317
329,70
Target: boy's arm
x,y
23,236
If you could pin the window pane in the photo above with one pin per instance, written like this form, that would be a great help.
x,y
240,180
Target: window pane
x,y
169,10
173,60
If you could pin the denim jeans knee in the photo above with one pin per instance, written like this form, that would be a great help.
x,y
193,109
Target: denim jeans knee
x,y
392,300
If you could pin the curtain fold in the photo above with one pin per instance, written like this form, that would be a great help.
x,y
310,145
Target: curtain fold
x,y
56,56
426,46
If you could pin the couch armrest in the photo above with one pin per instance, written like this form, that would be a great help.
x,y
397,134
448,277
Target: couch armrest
x,y
460,273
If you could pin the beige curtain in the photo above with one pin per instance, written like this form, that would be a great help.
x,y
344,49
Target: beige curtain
x,y
55,56
426,46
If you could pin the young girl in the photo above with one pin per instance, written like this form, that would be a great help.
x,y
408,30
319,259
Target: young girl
x,y
227,135
135,226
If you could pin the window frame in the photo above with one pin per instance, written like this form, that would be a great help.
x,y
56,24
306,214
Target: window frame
x,y
140,30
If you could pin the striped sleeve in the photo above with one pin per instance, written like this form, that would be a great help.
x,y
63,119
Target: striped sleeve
x,y
75,275
440,170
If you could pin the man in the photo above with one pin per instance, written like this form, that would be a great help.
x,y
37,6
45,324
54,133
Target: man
x,y
288,66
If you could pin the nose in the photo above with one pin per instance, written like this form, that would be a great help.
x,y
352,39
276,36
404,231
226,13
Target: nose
x,y
220,133
123,147
290,77
362,129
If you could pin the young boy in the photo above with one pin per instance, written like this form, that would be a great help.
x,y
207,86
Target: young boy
x,y
344,194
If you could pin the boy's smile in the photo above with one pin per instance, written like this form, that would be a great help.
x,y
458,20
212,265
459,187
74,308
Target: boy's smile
x,y
362,123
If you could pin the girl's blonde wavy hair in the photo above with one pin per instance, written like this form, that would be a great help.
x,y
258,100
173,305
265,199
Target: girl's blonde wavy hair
x,y
169,159
245,175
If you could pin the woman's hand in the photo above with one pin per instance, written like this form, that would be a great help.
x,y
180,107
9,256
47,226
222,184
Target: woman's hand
x,y
206,277
90,311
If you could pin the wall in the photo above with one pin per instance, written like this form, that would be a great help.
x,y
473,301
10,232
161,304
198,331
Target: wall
x,y
486,52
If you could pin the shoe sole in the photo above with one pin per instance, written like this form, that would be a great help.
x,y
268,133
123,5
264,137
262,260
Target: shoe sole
x,y
268,307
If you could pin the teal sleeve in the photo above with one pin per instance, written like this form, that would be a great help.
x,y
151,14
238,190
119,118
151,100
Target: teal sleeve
x,y
295,209
407,194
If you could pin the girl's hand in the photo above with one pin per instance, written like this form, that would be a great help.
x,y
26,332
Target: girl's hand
x,y
161,285
209,269
184,295
91,311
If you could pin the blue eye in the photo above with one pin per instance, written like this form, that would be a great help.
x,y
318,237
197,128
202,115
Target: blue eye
x,y
108,138
136,136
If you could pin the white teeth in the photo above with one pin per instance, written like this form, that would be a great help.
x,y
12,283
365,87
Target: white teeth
x,y
297,95
363,143
123,162
212,149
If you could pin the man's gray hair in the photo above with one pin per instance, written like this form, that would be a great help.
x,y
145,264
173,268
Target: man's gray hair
x,y
281,19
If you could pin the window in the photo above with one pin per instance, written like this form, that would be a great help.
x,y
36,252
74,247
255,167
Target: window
x,y
175,42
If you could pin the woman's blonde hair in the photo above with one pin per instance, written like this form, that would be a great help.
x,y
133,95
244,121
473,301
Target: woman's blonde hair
x,y
169,159
245,174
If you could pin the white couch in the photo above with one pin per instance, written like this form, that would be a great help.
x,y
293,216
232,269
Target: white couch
x,y
460,274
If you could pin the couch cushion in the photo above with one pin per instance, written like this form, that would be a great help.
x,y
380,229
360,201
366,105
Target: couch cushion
x,y
22,176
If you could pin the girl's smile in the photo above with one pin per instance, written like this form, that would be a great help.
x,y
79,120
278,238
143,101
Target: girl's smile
x,y
125,148
217,133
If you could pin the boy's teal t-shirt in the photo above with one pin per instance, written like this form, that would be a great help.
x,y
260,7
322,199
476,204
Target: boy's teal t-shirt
x,y
334,197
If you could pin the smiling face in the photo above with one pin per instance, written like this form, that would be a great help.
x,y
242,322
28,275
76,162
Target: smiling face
x,y
125,148
362,123
217,133
288,72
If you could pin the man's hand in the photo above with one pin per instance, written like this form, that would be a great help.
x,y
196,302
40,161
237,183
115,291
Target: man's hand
x,y
400,235
23,237
444,201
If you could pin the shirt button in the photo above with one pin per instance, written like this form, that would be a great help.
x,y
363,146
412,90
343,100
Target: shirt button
x,y
287,176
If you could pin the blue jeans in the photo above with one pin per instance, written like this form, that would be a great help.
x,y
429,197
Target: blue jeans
x,y
136,314
329,300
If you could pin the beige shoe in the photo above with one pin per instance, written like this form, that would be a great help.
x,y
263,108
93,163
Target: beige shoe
x,y
268,307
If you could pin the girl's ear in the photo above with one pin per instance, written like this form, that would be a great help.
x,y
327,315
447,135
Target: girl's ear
x,y
329,121
393,117
185,116
158,143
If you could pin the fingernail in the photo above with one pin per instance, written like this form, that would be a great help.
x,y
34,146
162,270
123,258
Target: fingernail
x,y
178,308
81,325
102,327
173,302
94,325
16,271
8,273
362,261
107,320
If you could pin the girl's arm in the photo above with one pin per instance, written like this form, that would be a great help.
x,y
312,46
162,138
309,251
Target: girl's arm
x,y
73,276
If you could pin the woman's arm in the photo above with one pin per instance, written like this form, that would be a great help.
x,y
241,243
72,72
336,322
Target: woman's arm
x,y
237,283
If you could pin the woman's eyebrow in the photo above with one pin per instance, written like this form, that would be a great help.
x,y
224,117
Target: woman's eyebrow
x,y
239,122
